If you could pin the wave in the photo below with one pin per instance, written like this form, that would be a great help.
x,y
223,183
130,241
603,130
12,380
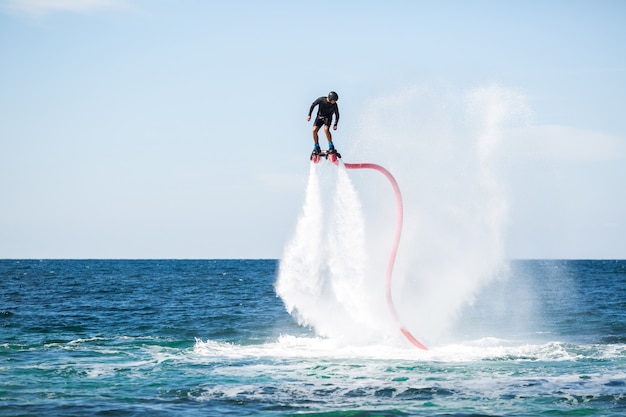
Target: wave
x,y
483,375
486,349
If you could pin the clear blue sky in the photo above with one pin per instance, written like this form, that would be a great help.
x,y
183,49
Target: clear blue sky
x,y
176,129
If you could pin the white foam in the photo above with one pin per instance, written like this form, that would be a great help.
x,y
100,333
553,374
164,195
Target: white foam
x,y
488,349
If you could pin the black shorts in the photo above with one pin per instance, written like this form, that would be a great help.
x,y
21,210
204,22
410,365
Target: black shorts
x,y
321,121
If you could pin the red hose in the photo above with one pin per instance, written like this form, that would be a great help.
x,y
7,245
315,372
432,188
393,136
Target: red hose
x,y
396,243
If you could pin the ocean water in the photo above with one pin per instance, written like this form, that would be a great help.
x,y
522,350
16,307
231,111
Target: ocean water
x,y
211,337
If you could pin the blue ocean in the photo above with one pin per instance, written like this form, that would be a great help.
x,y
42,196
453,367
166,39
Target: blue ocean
x,y
211,337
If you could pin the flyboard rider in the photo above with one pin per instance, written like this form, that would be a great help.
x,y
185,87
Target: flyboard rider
x,y
327,107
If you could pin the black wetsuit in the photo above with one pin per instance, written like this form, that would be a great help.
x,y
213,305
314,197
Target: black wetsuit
x,y
325,112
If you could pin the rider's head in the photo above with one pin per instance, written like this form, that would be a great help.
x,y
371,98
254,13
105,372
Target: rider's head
x,y
332,96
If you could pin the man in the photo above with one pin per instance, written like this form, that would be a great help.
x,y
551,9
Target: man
x,y
327,107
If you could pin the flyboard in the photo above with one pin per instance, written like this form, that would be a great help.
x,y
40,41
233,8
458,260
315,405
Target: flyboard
x,y
334,157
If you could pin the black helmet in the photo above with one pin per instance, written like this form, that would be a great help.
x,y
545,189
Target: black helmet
x,y
333,96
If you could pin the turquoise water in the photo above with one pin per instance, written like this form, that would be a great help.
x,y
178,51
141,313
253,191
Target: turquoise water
x,y
211,337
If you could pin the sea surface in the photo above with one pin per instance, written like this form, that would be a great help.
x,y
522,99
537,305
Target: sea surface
x,y
212,338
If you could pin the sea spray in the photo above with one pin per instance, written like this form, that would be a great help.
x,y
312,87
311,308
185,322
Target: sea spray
x,y
443,149
301,290
323,273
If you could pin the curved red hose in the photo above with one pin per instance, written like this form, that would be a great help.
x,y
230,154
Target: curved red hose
x,y
396,243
